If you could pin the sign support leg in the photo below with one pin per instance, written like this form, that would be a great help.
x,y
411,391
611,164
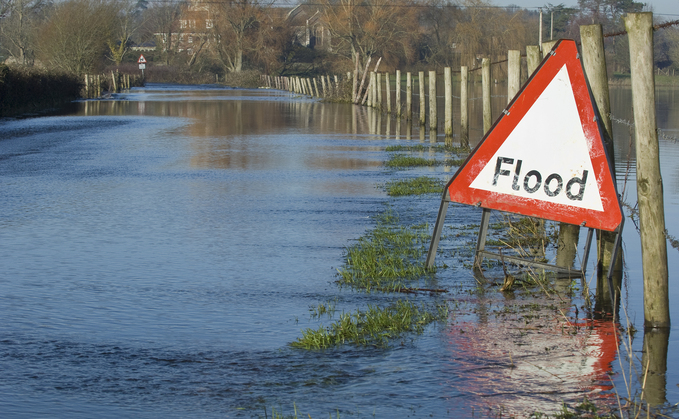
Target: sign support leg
x,y
438,227
481,242
588,246
611,267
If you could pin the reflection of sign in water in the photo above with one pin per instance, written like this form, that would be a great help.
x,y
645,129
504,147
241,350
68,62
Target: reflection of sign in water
x,y
532,367
545,156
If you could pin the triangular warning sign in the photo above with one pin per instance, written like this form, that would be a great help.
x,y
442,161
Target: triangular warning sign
x,y
545,156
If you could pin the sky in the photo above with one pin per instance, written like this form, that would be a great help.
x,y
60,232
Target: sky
x,y
666,9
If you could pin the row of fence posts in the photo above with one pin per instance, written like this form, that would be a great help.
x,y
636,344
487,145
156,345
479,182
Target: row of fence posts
x,y
96,84
649,182
329,86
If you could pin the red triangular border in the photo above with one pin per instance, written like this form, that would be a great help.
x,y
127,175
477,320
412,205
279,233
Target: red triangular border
x,y
565,52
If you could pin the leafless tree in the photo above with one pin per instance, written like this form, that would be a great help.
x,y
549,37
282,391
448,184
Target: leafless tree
x,y
19,19
74,37
236,27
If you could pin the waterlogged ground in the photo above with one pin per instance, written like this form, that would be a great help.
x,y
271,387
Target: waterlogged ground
x,y
161,251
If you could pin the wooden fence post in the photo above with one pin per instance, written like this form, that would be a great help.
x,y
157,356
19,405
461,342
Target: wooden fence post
x,y
387,85
409,96
397,101
464,110
594,62
360,86
448,102
649,182
513,73
532,58
423,98
485,81
378,90
433,114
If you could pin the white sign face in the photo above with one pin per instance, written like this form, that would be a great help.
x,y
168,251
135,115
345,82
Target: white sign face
x,y
546,158
142,66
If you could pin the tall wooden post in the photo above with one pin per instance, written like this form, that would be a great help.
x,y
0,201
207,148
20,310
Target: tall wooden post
x,y
513,73
354,92
378,89
464,110
448,102
594,62
423,99
649,182
397,100
532,58
409,96
433,114
387,85
485,81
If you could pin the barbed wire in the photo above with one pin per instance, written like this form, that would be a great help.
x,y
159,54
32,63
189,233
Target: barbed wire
x,y
655,28
661,133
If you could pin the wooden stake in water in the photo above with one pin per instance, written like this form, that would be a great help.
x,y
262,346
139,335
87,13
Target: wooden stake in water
x,y
513,73
398,94
433,114
649,182
485,81
387,85
464,110
448,102
423,99
532,58
409,96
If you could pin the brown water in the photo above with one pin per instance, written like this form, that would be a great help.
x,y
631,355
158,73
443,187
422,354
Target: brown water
x,y
162,249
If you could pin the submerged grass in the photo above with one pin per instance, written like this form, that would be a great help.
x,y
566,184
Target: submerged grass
x,y
387,257
375,326
415,186
401,160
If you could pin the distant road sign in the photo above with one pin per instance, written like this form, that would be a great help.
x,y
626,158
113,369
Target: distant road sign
x,y
545,156
141,59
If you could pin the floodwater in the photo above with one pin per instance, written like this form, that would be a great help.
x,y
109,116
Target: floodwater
x,y
163,248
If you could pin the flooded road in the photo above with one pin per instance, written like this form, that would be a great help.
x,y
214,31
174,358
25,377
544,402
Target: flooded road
x,y
162,249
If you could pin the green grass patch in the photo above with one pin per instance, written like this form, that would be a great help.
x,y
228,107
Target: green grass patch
x,y
386,258
375,326
401,160
416,186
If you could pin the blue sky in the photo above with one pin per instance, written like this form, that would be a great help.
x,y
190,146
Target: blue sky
x,y
668,8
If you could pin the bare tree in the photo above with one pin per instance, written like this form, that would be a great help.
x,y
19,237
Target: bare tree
x,y
128,21
17,32
362,29
236,25
163,21
74,37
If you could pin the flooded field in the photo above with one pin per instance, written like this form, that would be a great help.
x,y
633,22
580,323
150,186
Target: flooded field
x,y
163,249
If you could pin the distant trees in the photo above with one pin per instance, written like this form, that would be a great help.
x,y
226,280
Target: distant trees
x,y
361,29
236,26
20,19
75,35
231,36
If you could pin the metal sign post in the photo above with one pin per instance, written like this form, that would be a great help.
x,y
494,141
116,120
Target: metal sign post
x,y
142,64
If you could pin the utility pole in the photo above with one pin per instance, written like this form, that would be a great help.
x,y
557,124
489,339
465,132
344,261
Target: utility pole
x,y
551,29
540,32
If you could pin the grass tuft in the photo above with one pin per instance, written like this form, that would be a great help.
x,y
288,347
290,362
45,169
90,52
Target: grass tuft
x,y
375,326
416,186
401,160
387,257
